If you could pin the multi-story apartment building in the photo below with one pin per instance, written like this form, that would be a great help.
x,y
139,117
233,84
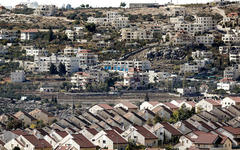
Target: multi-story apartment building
x,y
227,49
208,23
27,35
81,79
231,72
18,76
70,51
177,11
33,51
177,20
205,39
87,58
182,38
43,63
189,68
136,34
125,66
231,37
45,10
234,56
135,79
201,54
8,34
112,18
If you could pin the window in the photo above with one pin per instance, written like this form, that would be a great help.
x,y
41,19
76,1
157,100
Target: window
x,y
104,142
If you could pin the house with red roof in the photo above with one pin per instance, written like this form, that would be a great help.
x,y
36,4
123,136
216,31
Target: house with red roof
x,y
228,101
207,105
203,140
76,142
28,142
232,133
43,115
141,135
89,132
94,109
58,135
25,117
110,139
170,132
127,106
149,105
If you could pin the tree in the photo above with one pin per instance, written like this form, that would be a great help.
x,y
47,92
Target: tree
x,y
87,5
16,148
146,98
122,4
91,27
53,69
62,69
82,6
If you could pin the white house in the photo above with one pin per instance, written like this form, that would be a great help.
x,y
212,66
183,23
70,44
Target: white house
x,y
140,134
110,139
127,106
94,109
207,105
149,105
228,101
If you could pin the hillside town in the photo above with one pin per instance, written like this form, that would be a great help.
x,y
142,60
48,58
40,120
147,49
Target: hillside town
x,y
141,76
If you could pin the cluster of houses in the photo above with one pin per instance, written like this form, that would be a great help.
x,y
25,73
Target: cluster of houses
x,y
215,125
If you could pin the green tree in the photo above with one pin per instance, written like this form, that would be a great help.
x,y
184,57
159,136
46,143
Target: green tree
x,y
62,69
53,69
91,27
146,97
87,5
16,148
82,6
122,4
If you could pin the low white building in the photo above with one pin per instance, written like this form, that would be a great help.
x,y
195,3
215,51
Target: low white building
x,y
8,34
201,54
112,18
226,84
207,105
135,33
18,76
189,68
125,66
33,51
43,63
45,10
228,101
205,39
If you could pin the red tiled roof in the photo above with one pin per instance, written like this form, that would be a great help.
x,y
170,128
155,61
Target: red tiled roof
x,y
19,132
154,103
38,143
62,133
236,99
105,106
115,137
205,138
170,105
192,103
144,132
82,141
129,105
213,102
92,131
235,131
171,129
117,129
